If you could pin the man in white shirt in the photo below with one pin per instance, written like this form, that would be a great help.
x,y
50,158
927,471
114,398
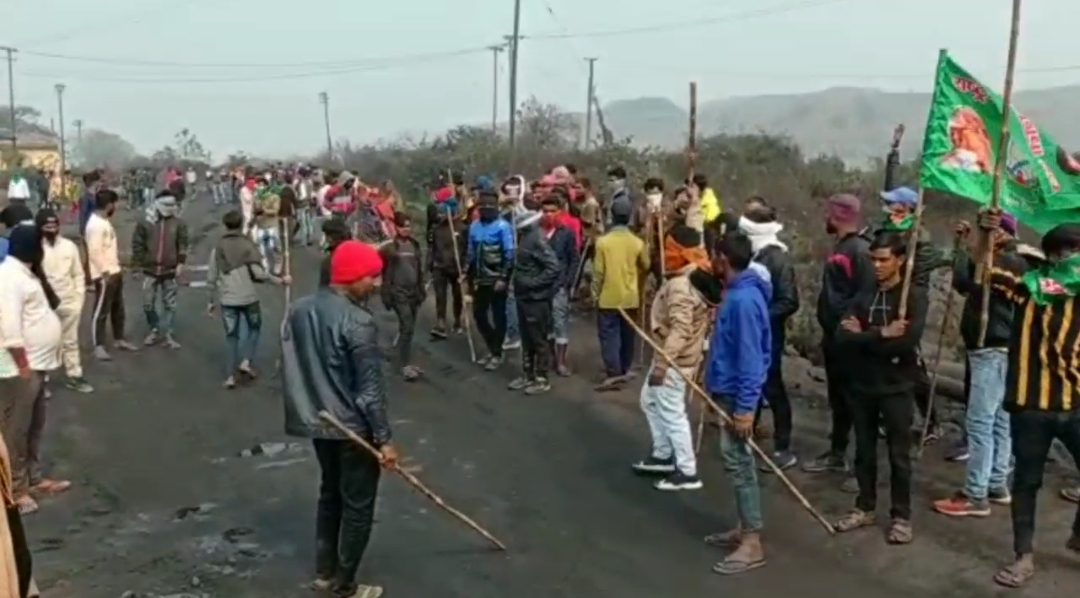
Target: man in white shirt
x,y
30,334
18,188
63,269
103,258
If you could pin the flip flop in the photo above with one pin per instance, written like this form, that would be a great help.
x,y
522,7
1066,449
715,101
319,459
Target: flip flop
x,y
26,505
1013,576
729,566
51,486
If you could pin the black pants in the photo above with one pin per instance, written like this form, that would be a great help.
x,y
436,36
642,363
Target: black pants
x,y
406,316
895,412
776,394
108,306
535,321
441,280
1032,434
839,404
489,313
347,490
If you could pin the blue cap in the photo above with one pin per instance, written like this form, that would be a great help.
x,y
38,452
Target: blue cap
x,y
901,195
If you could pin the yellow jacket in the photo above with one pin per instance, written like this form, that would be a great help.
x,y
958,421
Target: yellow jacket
x,y
620,259
710,205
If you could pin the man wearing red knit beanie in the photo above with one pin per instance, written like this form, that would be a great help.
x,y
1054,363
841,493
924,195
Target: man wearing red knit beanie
x,y
331,361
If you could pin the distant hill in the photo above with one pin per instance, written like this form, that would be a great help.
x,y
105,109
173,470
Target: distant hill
x,y
854,123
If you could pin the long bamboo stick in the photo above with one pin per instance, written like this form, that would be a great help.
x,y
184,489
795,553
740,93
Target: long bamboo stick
x,y
693,385
413,481
909,259
937,357
461,273
986,258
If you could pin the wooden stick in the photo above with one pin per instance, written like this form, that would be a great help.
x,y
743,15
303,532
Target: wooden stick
x,y
909,259
937,355
412,480
699,375
460,272
693,385
986,261
581,267
691,147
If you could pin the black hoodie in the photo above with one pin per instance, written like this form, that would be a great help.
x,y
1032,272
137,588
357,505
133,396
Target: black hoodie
x,y
879,365
847,273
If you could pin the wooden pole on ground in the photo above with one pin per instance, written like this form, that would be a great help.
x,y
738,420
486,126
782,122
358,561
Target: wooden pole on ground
x,y
413,481
693,385
986,257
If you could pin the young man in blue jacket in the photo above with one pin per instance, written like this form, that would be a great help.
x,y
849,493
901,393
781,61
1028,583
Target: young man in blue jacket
x,y
490,262
739,355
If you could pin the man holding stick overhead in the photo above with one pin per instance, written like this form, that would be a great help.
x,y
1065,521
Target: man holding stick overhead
x,y
739,356
331,362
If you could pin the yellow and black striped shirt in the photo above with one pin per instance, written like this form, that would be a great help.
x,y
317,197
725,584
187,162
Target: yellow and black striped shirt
x,y
1044,350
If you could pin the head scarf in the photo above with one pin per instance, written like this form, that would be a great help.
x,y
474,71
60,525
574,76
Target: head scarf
x,y
683,249
162,207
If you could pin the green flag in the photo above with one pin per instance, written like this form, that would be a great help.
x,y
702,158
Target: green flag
x,y
1055,282
1042,180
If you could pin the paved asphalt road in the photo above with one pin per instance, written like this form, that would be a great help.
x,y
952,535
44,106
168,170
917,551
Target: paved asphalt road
x,y
165,503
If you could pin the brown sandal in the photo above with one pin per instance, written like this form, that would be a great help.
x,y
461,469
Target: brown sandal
x,y
855,520
1014,576
900,532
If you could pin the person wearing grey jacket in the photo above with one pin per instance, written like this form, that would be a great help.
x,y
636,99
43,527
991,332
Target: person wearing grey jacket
x,y
235,270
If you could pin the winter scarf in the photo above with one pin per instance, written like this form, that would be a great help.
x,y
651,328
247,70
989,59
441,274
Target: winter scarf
x,y
762,234
162,207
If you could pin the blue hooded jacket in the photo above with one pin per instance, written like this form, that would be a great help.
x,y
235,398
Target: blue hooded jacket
x,y
489,254
87,203
741,346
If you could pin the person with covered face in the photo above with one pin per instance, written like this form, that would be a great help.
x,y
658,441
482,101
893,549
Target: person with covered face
x,y
879,337
489,264
62,266
159,246
536,280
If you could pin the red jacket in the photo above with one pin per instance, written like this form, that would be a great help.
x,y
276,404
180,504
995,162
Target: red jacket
x,y
574,225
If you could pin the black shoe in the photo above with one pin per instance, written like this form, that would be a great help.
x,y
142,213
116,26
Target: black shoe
x,y
679,481
827,462
652,465
782,459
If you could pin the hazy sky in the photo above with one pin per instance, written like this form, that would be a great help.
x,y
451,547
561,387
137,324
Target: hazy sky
x,y
246,74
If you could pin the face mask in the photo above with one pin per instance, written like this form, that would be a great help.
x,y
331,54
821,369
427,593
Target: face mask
x,y
489,213
654,199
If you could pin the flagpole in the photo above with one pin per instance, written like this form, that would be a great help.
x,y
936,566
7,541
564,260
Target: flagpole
x,y
986,263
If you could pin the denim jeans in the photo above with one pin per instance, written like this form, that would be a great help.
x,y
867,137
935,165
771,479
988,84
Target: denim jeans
x,y
243,323
165,289
739,465
617,340
560,312
269,242
989,442
513,329
306,218
665,411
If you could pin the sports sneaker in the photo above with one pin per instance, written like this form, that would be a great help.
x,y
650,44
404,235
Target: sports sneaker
x,y
782,459
958,453
538,386
152,339
655,465
170,343
519,383
79,384
679,481
999,496
826,462
511,344
493,363
960,505
101,354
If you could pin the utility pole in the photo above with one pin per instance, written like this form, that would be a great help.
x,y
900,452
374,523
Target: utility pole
x,y
78,130
515,45
11,97
63,142
324,99
588,105
495,50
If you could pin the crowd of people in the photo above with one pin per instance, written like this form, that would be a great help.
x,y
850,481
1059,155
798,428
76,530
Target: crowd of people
x,y
713,288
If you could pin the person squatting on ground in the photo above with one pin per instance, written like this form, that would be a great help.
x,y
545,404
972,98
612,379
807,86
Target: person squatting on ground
x,y
1040,384
331,361
679,322
445,237
31,335
404,289
536,281
880,349
561,240
62,266
234,271
159,247
619,262
739,353
103,259
986,421
847,272
490,263
759,224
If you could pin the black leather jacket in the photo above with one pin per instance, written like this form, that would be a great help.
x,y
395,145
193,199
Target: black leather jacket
x,y
330,360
